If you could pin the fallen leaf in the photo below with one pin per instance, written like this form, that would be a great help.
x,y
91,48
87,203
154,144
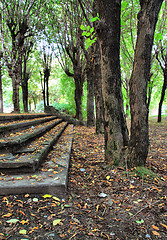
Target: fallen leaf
x,y
56,222
163,225
23,231
14,220
156,233
56,199
47,196
155,227
7,215
141,221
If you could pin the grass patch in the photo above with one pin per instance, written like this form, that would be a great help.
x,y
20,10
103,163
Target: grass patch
x,y
144,173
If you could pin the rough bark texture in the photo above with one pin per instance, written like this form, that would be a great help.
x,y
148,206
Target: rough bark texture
x,y
1,93
139,141
164,69
90,97
98,91
108,31
74,55
162,97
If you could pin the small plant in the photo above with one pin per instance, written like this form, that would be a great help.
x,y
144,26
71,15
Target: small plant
x,y
144,172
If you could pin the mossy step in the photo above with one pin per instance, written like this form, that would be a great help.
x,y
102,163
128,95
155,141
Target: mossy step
x,y
51,177
16,126
29,161
12,117
13,143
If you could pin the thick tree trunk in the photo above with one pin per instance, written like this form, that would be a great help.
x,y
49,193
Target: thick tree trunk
x,y
139,141
90,98
98,91
108,31
162,94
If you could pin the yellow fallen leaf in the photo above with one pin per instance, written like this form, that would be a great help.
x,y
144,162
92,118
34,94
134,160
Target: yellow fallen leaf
x,y
163,225
108,177
7,215
155,227
156,233
56,222
23,231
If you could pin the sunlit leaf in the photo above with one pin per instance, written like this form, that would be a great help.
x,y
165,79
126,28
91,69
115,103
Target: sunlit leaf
x,y
156,233
23,231
155,227
57,199
141,221
56,222
14,220
47,196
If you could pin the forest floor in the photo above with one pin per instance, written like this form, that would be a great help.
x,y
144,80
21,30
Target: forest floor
x,y
102,202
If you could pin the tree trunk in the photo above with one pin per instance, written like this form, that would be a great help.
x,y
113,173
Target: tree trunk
x,y
25,86
15,84
1,92
90,97
108,31
78,96
98,91
47,75
162,93
139,141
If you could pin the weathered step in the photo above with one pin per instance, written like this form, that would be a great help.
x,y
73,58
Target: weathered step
x,y
30,158
13,142
52,176
16,126
13,117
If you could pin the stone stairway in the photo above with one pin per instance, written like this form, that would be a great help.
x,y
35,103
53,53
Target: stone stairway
x,y
34,154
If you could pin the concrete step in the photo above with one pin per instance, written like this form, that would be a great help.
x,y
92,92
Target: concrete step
x,y
19,125
13,117
29,158
51,177
13,142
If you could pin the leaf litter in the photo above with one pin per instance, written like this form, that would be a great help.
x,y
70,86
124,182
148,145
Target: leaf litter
x,y
101,203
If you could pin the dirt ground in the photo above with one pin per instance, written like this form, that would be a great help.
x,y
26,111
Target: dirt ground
x,y
101,202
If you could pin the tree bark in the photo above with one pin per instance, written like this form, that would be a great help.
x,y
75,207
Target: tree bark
x,y
98,91
78,95
162,93
108,29
90,97
1,92
139,140
24,85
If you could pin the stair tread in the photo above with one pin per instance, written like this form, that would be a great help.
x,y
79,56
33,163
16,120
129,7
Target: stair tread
x,y
23,136
52,175
15,125
30,156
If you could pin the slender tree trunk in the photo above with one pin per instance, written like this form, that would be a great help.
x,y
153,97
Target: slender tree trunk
x,y
98,91
90,97
78,95
139,141
1,92
108,31
47,75
162,94
15,85
25,86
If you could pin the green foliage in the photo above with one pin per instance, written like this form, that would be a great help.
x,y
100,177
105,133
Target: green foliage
x,y
89,33
144,173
